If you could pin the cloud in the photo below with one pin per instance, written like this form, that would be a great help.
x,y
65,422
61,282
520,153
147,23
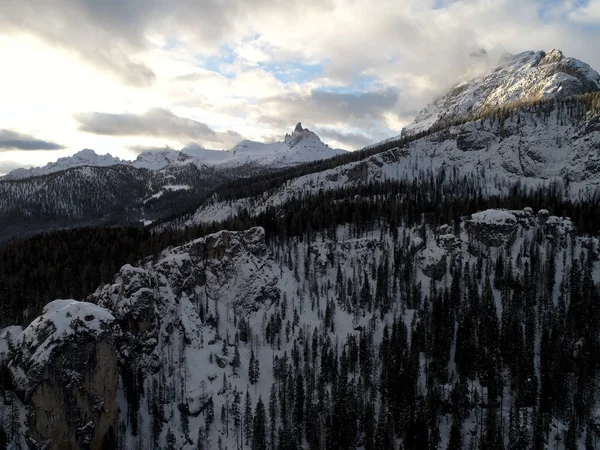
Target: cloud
x,y
257,66
156,122
11,140
9,166
348,140
324,107
145,148
588,14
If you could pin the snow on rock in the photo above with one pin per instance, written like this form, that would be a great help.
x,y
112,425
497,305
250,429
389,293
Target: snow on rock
x,y
558,227
8,337
432,261
493,227
156,159
494,217
60,320
416,244
65,367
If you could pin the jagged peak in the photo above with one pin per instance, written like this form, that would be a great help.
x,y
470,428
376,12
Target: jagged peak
x,y
299,134
525,76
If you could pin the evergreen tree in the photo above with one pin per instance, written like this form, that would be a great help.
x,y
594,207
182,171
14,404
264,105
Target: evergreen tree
x,y
248,420
259,439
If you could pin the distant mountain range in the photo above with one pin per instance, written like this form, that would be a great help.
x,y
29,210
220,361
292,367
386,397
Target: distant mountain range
x,y
301,146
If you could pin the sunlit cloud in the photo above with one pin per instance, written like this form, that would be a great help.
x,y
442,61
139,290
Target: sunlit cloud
x,y
121,75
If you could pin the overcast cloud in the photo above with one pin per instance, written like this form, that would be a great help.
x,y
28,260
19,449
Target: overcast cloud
x,y
120,74
11,140
157,122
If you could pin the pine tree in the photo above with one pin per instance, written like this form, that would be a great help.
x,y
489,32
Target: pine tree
x,y
253,368
248,421
259,440
236,362
210,415
273,416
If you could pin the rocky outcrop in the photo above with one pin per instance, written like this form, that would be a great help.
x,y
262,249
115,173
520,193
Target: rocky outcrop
x,y
493,227
74,406
65,367
433,261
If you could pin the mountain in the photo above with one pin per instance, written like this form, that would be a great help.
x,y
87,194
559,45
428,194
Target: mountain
x,y
86,157
299,147
87,189
93,195
524,77
495,132
155,159
436,290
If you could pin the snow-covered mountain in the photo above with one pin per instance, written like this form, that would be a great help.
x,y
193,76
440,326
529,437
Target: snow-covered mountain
x,y
533,121
155,159
523,77
91,195
86,157
301,146
551,143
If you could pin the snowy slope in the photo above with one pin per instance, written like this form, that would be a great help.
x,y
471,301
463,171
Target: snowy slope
x,y
523,77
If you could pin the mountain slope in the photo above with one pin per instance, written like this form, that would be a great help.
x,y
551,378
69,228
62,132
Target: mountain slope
x,y
548,143
193,332
82,158
114,195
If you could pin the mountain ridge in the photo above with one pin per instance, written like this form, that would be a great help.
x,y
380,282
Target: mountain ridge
x,y
301,146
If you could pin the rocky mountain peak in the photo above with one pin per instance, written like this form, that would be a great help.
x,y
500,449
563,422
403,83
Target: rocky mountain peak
x,y
525,76
553,56
300,134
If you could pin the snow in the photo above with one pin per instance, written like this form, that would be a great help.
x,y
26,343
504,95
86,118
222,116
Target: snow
x,y
60,319
227,271
8,334
155,160
494,217
177,187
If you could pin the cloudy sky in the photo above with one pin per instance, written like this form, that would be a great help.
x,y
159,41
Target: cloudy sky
x,y
121,76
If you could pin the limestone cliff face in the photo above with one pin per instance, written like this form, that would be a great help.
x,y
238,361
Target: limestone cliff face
x,y
65,367
74,406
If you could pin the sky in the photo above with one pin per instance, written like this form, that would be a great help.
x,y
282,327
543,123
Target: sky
x,y
126,76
